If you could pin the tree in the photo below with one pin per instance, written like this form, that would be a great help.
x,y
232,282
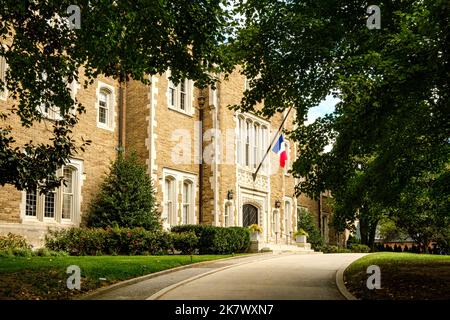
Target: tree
x,y
120,39
392,124
126,197
305,222
422,212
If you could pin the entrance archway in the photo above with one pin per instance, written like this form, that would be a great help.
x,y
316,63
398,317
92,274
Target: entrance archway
x,y
249,215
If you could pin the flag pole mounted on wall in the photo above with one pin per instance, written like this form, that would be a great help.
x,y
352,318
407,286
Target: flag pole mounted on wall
x,y
270,146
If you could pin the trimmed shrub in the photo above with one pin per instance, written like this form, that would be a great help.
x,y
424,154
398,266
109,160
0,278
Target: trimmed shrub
x,y
13,241
218,240
114,241
76,241
332,249
185,242
362,248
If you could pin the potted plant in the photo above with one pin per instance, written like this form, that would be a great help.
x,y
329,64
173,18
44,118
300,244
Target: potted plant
x,y
255,231
300,236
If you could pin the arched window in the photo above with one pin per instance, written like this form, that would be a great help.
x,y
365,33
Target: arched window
x,y
227,215
169,200
287,217
256,144
248,139
68,192
240,137
276,222
61,204
104,106
263,148
187,201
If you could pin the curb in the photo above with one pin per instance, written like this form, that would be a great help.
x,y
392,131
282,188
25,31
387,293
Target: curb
x,y
162,292
121,284
340,280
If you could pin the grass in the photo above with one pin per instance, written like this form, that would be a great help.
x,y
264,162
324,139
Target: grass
x,y
404,276
40,278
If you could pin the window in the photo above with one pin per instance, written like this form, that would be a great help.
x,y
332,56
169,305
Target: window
x,y
178,197
49,205
251,143
61,204
263,148
31,203
276,222
49,111
105,106
3,66
241,135
68,188
247,143
246,84
227,215
256,143
287,217
169,202
179,96
187,199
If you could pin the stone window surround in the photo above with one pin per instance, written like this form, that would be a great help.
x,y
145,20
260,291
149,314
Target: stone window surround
x,y
102,86
179,177
264,127
75,219
289,201
54,113
231,213
189,102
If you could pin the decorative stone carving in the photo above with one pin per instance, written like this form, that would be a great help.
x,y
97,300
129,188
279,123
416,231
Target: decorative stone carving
x,y
245,179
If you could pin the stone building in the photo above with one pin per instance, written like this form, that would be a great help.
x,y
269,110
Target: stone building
x,y
200,154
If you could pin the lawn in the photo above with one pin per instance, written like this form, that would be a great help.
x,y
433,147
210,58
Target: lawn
x,y
45,277
404,276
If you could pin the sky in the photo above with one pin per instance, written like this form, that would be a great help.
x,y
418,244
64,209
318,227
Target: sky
x,y
326,106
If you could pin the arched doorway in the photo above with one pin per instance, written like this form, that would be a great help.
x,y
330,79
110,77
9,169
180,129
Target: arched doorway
x,y
249,215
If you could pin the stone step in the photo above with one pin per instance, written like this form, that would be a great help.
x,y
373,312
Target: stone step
x,y
286,248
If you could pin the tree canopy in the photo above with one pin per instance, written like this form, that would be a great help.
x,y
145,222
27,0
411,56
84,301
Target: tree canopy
x,y
121,39
391,127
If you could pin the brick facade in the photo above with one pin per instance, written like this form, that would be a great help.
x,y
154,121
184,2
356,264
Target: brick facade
x,y
167,140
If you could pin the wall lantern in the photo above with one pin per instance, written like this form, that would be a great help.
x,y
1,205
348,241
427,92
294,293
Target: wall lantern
x,y
230,194
277,204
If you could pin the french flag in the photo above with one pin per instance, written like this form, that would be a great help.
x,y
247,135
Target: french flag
x,y
280,149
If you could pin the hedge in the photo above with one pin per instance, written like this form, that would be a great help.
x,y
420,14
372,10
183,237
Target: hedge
x,y
97,241
357,248
218,240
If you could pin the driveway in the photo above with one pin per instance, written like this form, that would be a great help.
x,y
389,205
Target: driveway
x,y
267,277
286,277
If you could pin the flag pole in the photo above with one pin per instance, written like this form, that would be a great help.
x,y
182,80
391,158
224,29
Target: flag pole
x,y
270,146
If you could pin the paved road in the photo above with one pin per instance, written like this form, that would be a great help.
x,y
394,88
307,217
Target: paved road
x,y
286,277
